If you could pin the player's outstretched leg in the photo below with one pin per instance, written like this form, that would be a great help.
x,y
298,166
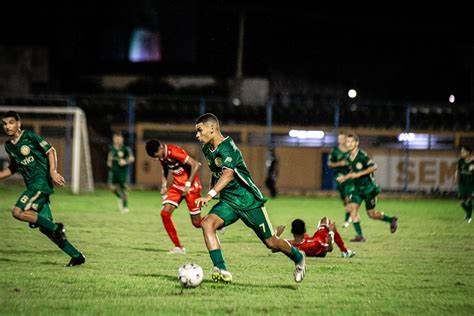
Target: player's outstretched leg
x,y
209,225
298,257
393,221
356,222
166,217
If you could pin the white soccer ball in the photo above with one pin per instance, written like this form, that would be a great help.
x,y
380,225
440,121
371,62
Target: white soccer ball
x,y
190,275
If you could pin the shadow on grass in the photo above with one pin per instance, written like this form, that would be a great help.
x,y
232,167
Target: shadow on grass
x,y
25,251
151,249
233,285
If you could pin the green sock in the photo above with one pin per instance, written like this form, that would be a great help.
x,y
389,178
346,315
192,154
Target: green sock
x,y
357,228
295,255
125,201
70,249
46,223
217,259
387,219
117,194
347,216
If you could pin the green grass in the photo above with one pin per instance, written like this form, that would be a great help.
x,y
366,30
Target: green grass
x,y
425,268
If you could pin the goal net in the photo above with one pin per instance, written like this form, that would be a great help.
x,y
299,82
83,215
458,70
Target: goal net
x,y
66,129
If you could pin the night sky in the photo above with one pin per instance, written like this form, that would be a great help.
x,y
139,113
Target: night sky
x,y
397,53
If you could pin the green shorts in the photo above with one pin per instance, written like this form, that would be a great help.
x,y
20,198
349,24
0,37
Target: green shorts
x,y
465,191
35,201
117,178
370,199
346,189
257,218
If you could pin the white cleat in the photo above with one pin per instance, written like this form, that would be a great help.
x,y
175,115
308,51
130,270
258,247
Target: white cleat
x,y
469,220
300,269
178,250
124,210
345,225
219,275
348,254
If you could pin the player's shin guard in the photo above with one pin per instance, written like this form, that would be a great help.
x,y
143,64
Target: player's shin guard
x,y
217,259
45,223
170,228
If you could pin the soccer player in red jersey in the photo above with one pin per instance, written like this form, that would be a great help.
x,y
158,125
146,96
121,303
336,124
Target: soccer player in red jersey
x,y
185,185
321,242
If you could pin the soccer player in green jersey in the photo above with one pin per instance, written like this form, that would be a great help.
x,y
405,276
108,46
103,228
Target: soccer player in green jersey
x,y
362,170
35,159
338,162
239,198
465,180
118,160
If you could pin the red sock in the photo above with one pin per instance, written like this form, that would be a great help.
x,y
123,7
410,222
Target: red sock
x,y
339,242
170,229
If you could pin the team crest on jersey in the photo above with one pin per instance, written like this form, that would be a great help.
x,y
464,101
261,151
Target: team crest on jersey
x,y
120,154
218,162
358,166
25,150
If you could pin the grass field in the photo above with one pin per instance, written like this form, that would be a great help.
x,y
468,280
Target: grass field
x,y
425,268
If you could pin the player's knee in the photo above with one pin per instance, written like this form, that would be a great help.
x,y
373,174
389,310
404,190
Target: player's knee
x,y
165,214
17,212
372,214
272,243
207,224
197,223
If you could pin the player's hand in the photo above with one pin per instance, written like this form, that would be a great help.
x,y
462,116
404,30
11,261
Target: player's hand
x,y
122,162
185,191
163,190
200,202
280,229
57,178
341,179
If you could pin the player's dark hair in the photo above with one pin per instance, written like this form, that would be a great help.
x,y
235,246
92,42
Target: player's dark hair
x,y
466,148
152,147
13,114
342,133
206,118
298,227
118,133
356,138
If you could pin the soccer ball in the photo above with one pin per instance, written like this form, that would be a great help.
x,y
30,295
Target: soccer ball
x,y
190,275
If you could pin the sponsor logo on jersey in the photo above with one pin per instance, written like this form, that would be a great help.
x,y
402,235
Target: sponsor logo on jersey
x,y
27,160
25,150
358,166
218,162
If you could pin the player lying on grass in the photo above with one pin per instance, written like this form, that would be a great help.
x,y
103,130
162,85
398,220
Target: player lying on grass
x,y
239,198
118,160
362,170
465,179
35,159
186,185
320,243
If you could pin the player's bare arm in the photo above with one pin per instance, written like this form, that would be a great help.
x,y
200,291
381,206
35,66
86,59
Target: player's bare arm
x,y
340,163
53,163
5,173
227,176
195,165
355,175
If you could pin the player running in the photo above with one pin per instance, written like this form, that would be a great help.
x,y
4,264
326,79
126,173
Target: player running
x,y
239,198
118,160
35,159
338,162
465,179
186,185
321,242
362,170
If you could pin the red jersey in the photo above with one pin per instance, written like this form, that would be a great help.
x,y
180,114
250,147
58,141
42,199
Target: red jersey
x,y
175,161
315,246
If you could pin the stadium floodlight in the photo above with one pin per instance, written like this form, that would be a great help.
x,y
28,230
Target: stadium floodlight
x,y
352,93
303,134
79,157
452,98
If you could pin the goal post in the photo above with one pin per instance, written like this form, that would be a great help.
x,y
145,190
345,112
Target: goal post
x,y
81,178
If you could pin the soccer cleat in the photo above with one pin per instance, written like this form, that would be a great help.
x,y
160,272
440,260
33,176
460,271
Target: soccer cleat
x,y
220,275
124,210
178,250
394,224
358,239
345,224
300,269
469,220
348,254
76,261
